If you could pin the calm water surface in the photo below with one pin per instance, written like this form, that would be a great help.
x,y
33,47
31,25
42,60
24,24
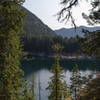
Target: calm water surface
x,y
40,69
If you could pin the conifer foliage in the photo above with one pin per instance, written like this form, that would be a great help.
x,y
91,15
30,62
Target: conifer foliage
x,y
57,85
76,82
11,25
28,92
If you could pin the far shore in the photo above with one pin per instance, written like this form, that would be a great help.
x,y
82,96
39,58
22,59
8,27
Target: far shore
x,y
73,57
67,56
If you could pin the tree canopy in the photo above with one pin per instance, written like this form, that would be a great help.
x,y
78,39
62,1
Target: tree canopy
x,y
11,26
68,5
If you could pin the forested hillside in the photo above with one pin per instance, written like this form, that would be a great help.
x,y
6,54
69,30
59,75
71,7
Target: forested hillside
x,y
33,25
43,44
39,38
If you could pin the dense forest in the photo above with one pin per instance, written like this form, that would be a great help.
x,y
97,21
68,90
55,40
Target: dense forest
x,y
42,44
12,84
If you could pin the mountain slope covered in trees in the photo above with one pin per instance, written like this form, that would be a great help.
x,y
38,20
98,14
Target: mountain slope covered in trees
x,y
38,38
33,25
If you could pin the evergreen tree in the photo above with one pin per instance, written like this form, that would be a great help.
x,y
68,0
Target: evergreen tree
x,y
28,93
76,82
66,93
32,92
11,26
56,85
39,87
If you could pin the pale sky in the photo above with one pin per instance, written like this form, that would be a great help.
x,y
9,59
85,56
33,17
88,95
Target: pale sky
x,y
46,9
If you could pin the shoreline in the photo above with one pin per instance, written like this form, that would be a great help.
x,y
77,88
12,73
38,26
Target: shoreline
x,y
68,56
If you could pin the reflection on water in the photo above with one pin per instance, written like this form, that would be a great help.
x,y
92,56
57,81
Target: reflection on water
x,y
40,69
44,76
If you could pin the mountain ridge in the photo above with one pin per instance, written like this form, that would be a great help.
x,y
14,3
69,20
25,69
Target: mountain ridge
x,y
71,32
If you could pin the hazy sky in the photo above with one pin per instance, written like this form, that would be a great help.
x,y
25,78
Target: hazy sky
x,y
46,9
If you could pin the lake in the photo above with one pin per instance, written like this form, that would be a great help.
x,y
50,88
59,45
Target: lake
x,y
40,67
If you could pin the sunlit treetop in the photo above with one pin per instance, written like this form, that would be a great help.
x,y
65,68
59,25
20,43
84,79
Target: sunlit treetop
x,y
57,48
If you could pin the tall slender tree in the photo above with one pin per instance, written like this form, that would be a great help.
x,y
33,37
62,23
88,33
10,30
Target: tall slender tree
x,y
11,26
39,87
76,83
56,85
28,92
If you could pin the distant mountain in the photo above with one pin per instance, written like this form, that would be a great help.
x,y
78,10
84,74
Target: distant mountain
x,y
33,25
71,32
